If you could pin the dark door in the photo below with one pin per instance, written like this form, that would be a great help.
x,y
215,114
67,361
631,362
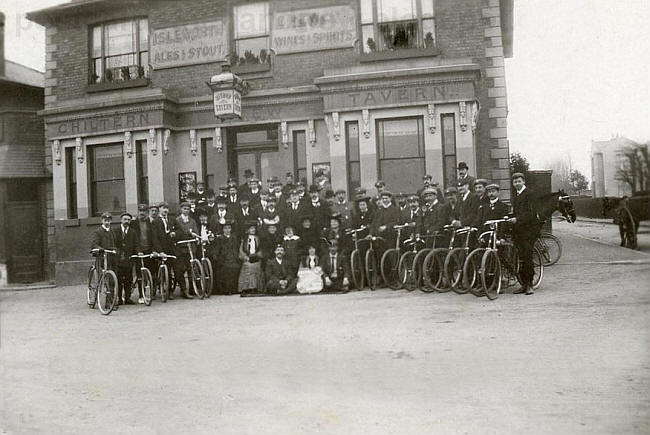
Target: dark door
x,y
24,238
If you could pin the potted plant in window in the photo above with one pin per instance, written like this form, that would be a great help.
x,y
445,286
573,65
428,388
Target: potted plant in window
x,y
126,73
428,40
108,76
372,45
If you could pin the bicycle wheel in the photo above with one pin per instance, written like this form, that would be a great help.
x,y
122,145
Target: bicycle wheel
x,y
405,269
418,263
163,282
371,269
356,269
441,284
389,269
491,274
197,277
550,248
107,292
538,268
454,263
472,272
430,275
510,264
147,286
209,276
91,293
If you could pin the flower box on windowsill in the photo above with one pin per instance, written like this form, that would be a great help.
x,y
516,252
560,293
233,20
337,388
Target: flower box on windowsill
x,y
119,84
251,68
403,53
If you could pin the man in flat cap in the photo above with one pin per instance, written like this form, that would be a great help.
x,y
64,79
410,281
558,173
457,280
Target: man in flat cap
x,y
163,236
386,217
126,242
319,210
341,205
336,274
480,190
280,278
143,227
525,230
468,204
412,213
463,174
293,209
494,209
433,216
185,229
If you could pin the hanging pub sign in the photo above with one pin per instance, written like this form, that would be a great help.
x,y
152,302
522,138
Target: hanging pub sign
x,y
227,104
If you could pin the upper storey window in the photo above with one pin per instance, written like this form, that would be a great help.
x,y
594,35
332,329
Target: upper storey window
x,y
252,30
119,51
397,24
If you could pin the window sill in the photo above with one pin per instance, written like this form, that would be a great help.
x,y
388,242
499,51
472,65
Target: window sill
x,y
123,84
398,54
252,68
71,222
90,221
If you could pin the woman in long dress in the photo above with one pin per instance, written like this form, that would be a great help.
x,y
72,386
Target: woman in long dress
x,y
309,273
250,252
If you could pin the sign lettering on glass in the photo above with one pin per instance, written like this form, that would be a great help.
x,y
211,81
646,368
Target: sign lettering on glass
x,y
190,44
227,104
313,29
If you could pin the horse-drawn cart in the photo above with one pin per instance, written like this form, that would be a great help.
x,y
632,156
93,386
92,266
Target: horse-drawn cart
x,y
627,212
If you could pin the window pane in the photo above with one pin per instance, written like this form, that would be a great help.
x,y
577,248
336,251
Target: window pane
x,y
253,137
448,134
108,163
253,51
109,195
369,41
354,175
144,35
300,141
400,138
450,170
302,173
366,11
251,20
427,8
429,32
97,71
399,35
97,41
141,163
353,140
71,169
120,38
396,10
402,175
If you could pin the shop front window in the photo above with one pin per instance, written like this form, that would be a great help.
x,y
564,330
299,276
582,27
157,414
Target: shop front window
x,y
119,51
71,182
448,123
353,155
252,29
388,25
400,143
300,154
142,171
106,178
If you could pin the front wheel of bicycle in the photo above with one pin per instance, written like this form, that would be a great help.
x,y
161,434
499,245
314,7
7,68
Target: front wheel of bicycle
x,y
454,263
405,268
107,292
538,268
91,293
209,276
163,282
550,247
389,269
491,274
147,286
356,269
472,272
371,269
418,267
197,278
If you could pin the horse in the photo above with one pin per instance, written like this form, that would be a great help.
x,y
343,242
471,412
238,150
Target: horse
x,y
545,205
628,222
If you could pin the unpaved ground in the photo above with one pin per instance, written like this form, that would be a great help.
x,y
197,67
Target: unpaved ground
x,y
572,359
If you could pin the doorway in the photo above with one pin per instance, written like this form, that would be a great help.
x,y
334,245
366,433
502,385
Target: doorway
x,y
24,236
256,148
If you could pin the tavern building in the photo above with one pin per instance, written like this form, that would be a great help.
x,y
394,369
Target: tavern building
x,y
362,89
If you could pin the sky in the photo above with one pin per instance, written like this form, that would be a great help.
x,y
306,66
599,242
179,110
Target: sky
x,y
580,71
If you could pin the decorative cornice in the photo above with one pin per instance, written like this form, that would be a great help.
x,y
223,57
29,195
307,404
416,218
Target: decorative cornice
x,y
104,113
393,84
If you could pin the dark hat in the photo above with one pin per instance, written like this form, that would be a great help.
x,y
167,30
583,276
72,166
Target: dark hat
x,y
462,165
221,200
184,204
482,181
279,245
272,198
273,179
153,205
313,189
293,192
360,191
427,177
329,193
413,198
336,216
250,223
493,186
248,173
223,187
107,215
517,175
232,182
429,191
463,182
200,182
229,221
142,207
201,212
303,181
289,174
333,243
163,204
209,193
275,221
306,216
380,183
362,198
126,213
254,179
386,193
340,191
244,197
451,191
264,191
192,195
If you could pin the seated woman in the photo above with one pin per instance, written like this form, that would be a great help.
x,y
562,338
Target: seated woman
x,y
250,252
309,273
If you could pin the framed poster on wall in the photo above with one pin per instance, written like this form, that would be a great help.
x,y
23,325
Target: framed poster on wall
x,y
186,184
321,174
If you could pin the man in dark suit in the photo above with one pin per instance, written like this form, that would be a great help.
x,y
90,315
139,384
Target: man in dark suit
x,y
185,229
292,211
386,217
463,175
336,275
163,236
143,227
494,209
227,261
279,279
413,214
104,238
433,217
319,210
233,196
468,204
242,214
220,216
480,191
126,242
525,230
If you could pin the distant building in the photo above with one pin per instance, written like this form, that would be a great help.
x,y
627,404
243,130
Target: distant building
x,y
606,160
25,182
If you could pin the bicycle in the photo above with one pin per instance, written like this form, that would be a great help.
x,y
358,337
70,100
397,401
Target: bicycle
x,y
434,265
389,264
102,283
164,276
550,247
196,274
406,265
356,267
207,268
145,279
455,260
371,261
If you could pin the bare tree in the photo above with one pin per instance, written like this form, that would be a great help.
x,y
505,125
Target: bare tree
x,y
635,171
578,181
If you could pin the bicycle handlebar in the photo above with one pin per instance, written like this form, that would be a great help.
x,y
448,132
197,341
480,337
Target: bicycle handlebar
x,y
372,238
102,250
181,242
495,221
165,256
358,230
142,256
466,230
406,225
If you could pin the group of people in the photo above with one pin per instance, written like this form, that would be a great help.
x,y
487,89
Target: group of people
x,y
288,237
